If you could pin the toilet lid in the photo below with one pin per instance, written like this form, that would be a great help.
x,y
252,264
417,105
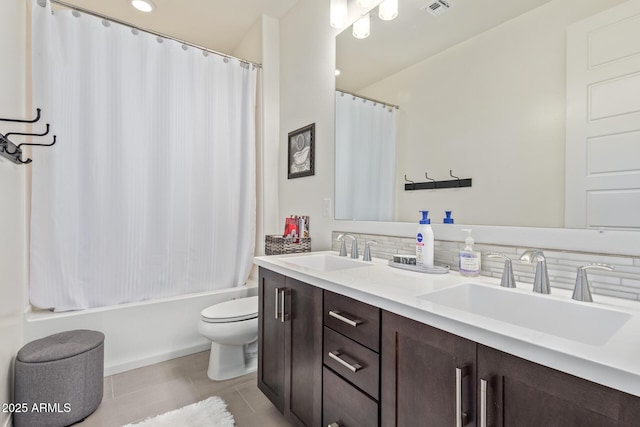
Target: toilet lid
x,y
231,311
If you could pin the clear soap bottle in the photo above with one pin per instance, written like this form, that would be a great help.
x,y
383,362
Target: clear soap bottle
x,y
470,260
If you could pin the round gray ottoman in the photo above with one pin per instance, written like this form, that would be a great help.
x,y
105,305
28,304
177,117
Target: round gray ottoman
x,y
59,379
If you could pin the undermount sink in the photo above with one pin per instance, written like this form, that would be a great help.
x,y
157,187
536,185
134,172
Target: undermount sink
x,y
567,319
325,262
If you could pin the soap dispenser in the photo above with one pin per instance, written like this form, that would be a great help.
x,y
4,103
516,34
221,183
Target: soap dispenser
x,y
469,259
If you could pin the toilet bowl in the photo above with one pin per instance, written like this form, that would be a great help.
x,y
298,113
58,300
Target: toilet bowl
x,y
232,327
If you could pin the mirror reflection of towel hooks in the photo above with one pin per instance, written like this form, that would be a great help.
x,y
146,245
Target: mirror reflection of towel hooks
x,y
413,184
453,176
435,183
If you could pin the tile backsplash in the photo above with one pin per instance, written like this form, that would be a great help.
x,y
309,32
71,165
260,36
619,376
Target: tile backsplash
x,y
623,282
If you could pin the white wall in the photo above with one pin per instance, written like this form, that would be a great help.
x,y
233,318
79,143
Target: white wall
x,y
493,109
307,51
12,177
307,64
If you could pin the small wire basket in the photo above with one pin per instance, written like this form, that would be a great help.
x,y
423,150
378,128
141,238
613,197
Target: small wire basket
x,y
278,245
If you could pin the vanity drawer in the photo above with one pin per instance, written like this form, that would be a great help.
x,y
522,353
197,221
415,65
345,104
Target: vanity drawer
x,y
345,405
354,319
352,361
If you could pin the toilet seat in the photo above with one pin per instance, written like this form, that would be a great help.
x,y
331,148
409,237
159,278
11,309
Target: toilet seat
x,y
231,311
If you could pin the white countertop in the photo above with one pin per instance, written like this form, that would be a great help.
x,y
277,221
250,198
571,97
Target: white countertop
x,y
615,364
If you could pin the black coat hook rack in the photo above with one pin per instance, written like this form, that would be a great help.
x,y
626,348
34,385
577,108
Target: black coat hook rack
x,y
432,184
12,151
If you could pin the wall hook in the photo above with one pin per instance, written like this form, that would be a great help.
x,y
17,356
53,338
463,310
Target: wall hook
x,y
29,134
413,184
25,134
435,183
40,145
453,176
24,121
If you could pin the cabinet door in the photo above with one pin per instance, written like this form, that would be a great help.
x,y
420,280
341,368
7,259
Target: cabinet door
x,y
271,342
303,355
524,394
428,375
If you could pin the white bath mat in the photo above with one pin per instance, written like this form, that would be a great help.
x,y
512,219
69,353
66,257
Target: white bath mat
x,y
210,413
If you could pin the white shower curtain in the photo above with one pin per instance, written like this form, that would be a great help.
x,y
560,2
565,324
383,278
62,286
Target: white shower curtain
x,y
365,159
149,191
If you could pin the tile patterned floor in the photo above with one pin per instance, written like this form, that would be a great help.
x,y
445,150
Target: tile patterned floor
x,y
135,395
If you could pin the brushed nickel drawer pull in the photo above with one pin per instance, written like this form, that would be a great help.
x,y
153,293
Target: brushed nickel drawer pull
x,y
458,397
277,304
342,318
335,355
483,403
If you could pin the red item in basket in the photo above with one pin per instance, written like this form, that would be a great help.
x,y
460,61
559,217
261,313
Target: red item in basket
x,y
291,229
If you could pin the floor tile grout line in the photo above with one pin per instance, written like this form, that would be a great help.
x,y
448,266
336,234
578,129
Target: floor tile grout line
x,y
245,399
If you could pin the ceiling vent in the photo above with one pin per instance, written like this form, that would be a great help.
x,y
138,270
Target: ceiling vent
x,y
437,7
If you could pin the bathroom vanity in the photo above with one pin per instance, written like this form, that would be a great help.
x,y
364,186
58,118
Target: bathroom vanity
x,y
348,343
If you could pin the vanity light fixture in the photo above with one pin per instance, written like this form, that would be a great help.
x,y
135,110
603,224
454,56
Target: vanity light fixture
x,y
338,13
362,27
388,10
338,72
143,5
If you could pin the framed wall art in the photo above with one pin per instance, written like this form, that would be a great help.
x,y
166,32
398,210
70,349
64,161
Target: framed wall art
x,y
301,152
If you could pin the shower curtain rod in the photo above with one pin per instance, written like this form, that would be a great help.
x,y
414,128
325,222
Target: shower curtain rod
x,y
397,107
155,33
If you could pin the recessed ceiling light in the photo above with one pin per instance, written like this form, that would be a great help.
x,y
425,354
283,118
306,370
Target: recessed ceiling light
x,y
143,5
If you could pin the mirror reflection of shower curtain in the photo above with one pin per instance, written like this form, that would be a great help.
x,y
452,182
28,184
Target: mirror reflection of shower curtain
x,y
150,190
365,159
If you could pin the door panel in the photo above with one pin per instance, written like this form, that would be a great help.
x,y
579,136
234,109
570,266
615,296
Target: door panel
x,y
270,339
419,374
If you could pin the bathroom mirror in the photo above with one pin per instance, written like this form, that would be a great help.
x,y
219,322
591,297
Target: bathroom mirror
x,y
481,94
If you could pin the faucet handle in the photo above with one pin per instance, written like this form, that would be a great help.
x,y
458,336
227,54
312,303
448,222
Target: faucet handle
x,y
541,283
343,245
507,280
367,250
582,292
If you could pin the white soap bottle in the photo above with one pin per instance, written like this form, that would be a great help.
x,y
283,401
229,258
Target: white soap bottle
x,y
469,259
424,242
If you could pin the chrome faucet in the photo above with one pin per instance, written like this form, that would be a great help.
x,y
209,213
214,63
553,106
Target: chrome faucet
x,y
508,280
582,292
541,277
354,246
367,250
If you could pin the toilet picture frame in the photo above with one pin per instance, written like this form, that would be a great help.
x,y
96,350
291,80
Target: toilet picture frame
x,y
301,152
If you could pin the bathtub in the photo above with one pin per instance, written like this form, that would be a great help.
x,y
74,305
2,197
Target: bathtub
x,y
142,333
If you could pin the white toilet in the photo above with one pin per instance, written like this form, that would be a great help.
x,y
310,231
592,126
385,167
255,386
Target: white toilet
x,y
232,327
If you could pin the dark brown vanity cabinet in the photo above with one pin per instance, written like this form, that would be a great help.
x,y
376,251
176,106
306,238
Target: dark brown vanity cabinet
x,y
524,394
428,375
290,346
434,378
351,379
350,364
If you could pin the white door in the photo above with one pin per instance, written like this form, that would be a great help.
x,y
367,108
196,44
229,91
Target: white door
x,y
603,120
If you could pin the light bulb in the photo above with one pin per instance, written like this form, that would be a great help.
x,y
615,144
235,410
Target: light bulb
x,y
338,13
143,5
362,27
388,10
